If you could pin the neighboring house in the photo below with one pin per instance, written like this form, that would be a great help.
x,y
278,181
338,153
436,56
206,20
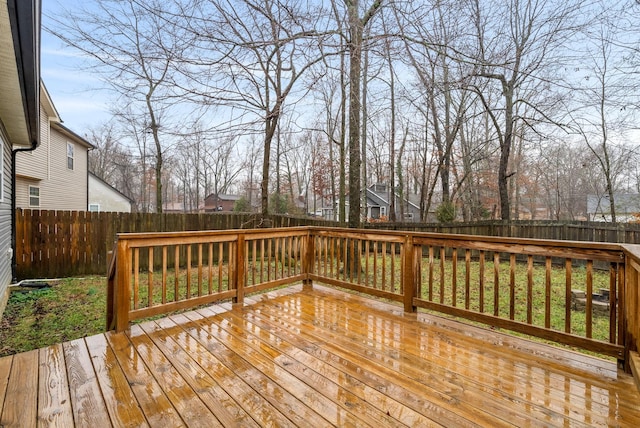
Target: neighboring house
x,y
220,202
626,205
19,114
104,197
55,175
379,205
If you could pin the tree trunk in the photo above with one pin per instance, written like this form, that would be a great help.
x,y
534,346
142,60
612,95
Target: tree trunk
x,y
355,59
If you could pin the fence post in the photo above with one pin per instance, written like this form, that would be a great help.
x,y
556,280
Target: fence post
x,y
307,261
409,274
122,290
239,272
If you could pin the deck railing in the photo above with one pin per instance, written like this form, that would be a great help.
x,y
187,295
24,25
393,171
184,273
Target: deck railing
x,y
555,290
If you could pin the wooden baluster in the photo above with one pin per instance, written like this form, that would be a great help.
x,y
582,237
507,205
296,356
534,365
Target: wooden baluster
x,y
547,293
512,286
589,306
467,279
384,265
393,267
613,280
496,284
176,268
221,246
261,261
164,274
188,271
481,282
239,269
150,279
199,269
529,289
359,258
210,263
568,279
454,277
254,248
136,280
431,262
367,254
375,264
269,260
443,257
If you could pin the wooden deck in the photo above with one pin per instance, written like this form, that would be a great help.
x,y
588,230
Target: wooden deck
x,y
311,358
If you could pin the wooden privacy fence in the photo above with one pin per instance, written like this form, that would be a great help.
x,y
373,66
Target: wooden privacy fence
x,y
523,285
53,244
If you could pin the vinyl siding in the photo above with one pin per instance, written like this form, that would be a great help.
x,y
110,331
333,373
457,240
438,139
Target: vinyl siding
x,y
5,221
46,168
105,196
34,164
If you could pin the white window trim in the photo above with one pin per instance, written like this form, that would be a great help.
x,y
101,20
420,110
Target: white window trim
x,y
72,157
31,205
94,205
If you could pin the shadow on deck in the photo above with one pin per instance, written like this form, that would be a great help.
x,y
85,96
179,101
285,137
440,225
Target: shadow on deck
x,y
302,357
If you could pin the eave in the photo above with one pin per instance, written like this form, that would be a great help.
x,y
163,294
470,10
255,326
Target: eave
x,y
20,70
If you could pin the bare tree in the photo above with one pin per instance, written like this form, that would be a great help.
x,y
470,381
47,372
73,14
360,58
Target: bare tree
x,y
103,158
356,24
136,53
250,55
516,47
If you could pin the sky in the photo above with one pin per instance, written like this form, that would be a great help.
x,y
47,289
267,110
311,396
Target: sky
x,y
73,91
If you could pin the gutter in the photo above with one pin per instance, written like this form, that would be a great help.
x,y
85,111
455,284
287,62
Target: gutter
x,y
14,260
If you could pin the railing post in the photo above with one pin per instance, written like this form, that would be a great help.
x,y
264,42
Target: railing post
x,y
239,272
110,290
122,289
409,274
631,318
307,260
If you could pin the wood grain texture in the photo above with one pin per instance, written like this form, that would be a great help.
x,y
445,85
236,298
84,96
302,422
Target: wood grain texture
x,y
302,356
154,403
86,399
54,401
20,402
119,400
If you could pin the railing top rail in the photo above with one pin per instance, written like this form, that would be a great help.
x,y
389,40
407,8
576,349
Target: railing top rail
x,y
195,236
632,251
520,245
455,238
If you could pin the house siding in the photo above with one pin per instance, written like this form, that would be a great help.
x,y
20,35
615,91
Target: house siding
x,y
46,168
106,197
5,221
34,164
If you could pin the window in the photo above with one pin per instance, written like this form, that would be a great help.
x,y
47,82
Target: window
x,y
34,196
69,156
94,208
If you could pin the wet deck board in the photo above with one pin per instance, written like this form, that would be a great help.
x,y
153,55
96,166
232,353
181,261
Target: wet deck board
x,y
317,357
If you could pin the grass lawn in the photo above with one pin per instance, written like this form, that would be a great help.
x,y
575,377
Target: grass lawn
x,y
70,309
